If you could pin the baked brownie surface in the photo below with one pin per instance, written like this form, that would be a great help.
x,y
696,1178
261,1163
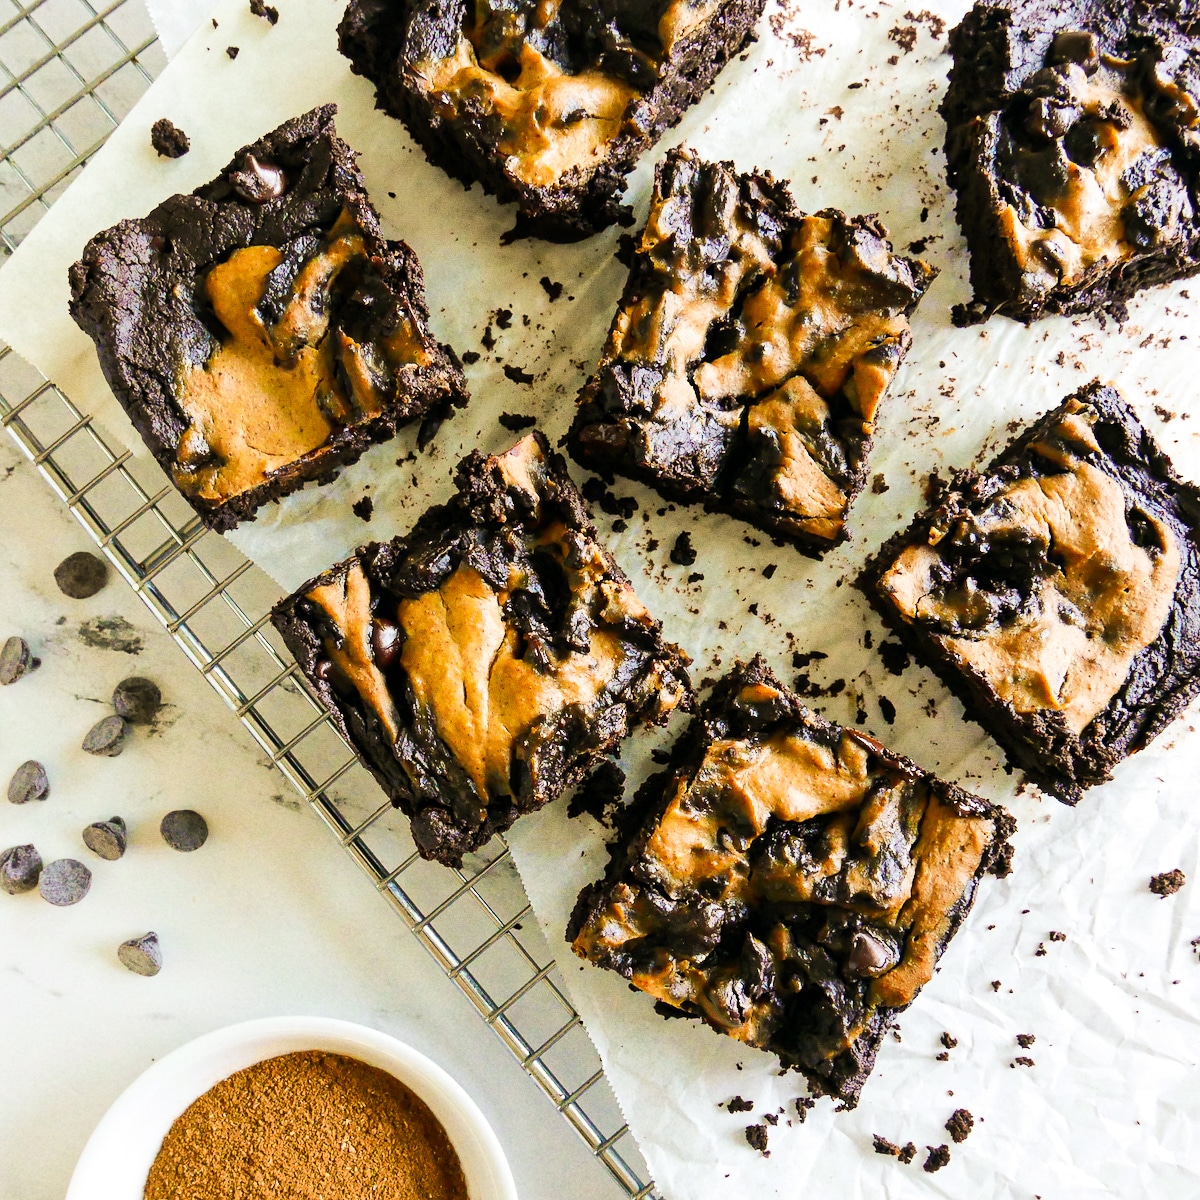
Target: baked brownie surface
x,y
547,104
484,663
1057,592
750,353
1073,141
789,881
261,331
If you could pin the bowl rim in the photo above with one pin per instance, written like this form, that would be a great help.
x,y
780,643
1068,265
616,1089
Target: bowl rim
x,y
117,1156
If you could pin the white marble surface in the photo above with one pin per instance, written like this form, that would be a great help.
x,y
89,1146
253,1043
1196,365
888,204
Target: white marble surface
x,y
267,918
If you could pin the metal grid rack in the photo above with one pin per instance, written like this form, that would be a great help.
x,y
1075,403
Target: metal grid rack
x,y
69,71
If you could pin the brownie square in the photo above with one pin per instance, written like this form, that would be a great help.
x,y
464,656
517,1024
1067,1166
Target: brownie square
x,y
547,104
1057,592
1073,142
750,353
262,332
788,881
487,661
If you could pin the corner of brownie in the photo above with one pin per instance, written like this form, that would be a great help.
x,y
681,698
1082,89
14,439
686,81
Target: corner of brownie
x,y
548,105
788,881
486,662
1056,592
1073,143
261,332
750,353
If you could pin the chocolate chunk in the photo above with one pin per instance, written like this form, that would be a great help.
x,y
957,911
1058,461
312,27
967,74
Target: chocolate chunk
x,y
271,14
1077,46
169,141
385,642
141,955
258,181
756,1135
29,782
107,737
15,660
739,1104
683,554
81,575
960,1124
64,881
363,508
20,867
938,1157
1168,883
137,700
108,838
184,830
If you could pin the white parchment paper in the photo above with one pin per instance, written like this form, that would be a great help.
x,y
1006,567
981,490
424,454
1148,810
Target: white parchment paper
x,y
1112,1105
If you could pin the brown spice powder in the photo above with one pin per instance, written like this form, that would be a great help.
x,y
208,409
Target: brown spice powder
x,y
307,1126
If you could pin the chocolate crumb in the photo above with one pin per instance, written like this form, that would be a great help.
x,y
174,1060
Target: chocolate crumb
x,y
944,1056
888,709
363,508
960,1125
1040,952
771,1118
271,14
938,1157
756,1135
1023,1060
907,1153
1168,883
683,554
233,51
995,985
552,289
883,1146
1025,1040
805,1104
168,140
515,422
1056,936
895,657
470,357
948,1041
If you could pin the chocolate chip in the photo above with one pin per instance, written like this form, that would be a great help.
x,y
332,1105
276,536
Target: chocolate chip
x,y
869,956
938,1157
20,867
184,830
29,782
15,660
385,642
1076,46
141,955
137,700
108,838
258,181
107,737
168,140
81,575
64,881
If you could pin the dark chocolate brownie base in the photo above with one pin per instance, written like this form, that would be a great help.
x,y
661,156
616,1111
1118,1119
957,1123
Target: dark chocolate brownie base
x,y
487,661
766,409
384,39
141,293
801,936
1021,132
1162,678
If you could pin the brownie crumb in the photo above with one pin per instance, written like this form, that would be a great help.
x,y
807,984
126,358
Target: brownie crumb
x,y
233,51
944,1056
267,11
771,1118
517,421
769,570
600,795
907,1153
888,709
1168,883
552,289
883,1146
879,485
470,357
895,657
363,508
948,1041
1023,1060
168,139
756,1135
740,1104
938,1157
905,36
960,1125
516,374
1040,952
683,554
1056,936
805,1104
995,985
1025,1040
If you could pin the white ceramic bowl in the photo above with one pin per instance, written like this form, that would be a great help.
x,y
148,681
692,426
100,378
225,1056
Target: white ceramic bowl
x,y
117,1158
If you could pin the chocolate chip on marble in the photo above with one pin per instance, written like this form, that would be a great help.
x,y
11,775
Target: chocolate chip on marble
x,y
81,575
108,838
385,642
20,867
258,181
184,830
64,881
107,737
142,955
137,700
16,660
29,782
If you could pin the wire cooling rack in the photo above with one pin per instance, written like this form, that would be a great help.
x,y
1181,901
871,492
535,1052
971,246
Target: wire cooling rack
x,y
69,71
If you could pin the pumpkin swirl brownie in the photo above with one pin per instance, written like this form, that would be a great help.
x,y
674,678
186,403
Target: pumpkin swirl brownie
x,y
485,662
262,332
750,354
545,102
1056,592
788,881
1073,142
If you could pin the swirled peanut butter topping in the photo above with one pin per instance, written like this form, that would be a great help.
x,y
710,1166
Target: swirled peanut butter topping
x,y
1097,597
271,394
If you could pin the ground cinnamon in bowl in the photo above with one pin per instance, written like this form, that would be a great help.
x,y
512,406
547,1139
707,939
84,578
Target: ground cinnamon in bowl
x,y
307,1126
